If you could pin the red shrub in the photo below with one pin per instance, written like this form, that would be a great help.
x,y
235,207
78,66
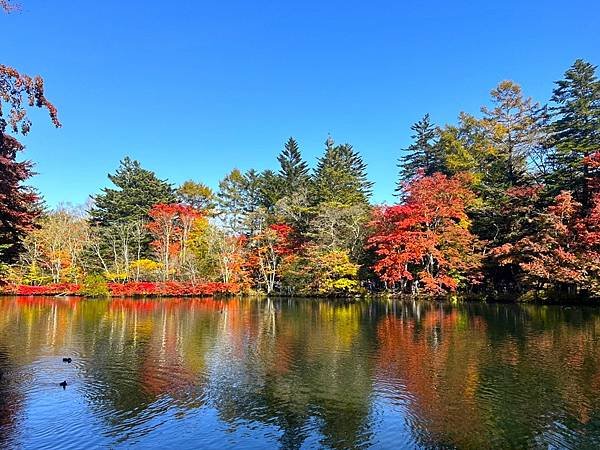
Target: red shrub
x,y
133,289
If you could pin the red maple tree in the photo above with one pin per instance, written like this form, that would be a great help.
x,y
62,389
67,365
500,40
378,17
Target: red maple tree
x,y
424,244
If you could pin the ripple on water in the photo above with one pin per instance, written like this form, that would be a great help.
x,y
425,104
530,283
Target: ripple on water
x,y
297,374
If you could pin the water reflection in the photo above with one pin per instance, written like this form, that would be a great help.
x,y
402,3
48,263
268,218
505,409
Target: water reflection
x,y
297,373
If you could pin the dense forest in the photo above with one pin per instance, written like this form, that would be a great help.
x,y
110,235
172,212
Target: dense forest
x,y
503,202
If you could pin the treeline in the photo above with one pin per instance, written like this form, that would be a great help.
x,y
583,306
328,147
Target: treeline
x,y
505,201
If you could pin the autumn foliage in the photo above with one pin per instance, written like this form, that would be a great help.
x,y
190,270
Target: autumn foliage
x,y
133,289
424,244
559,247
504,203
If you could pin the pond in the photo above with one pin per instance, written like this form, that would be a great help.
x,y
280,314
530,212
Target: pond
x,y
299,373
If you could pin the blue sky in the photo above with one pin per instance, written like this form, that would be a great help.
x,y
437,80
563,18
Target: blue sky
x,y
195,88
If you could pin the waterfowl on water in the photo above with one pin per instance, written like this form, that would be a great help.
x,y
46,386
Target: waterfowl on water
x,y
63,384
67,360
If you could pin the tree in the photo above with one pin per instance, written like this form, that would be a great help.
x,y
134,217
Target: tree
x,y
118,246
8,6
172,226
324,273
197,195
230,254
515,126
556,247
339,227
295,209
547,255
469,147
514,213
138,190
270,189
270,248
293,170
17,202
56,249
167,234
424,244
341,176
575,129
190,220
239,197
422,155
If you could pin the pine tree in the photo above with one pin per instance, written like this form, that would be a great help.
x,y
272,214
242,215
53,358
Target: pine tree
x,y
341,176
294,170
138,190
575,130
423,154
270,189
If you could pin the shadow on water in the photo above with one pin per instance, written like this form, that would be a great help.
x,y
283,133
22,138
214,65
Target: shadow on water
x,y
292,373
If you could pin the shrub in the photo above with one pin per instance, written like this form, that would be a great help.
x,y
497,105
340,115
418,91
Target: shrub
x,y
95,286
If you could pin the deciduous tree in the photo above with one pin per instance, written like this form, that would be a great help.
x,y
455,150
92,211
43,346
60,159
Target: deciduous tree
x,y
424,244
17,202
269,249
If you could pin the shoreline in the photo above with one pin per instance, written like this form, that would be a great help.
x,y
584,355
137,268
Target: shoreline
x,y
489,299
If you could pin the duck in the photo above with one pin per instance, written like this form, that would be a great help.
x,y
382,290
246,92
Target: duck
x,y
67,360
63,384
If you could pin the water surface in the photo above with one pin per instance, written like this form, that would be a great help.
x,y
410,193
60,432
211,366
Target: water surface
x,y
302,373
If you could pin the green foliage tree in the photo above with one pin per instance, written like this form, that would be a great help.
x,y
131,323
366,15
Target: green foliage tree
x,y
270,189
422,155
197,195
575,129
324,273
293,170
239,198
515,128
508,143
95,286
341,176
138,189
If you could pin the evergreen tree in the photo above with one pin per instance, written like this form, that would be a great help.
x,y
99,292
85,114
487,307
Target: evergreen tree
x,y
341,176
240,197
137,191
270,188
293,169
575,130
423,154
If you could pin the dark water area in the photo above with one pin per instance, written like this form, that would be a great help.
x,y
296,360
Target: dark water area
x,y
301,373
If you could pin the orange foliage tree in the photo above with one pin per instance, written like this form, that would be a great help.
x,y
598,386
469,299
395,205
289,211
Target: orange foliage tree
x,y
269,250
171,225
559,247
424,244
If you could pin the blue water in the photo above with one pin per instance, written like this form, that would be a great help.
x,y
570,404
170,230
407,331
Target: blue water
x,y
302,373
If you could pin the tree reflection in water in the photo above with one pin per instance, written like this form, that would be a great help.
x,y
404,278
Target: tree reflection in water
x,y
292,373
